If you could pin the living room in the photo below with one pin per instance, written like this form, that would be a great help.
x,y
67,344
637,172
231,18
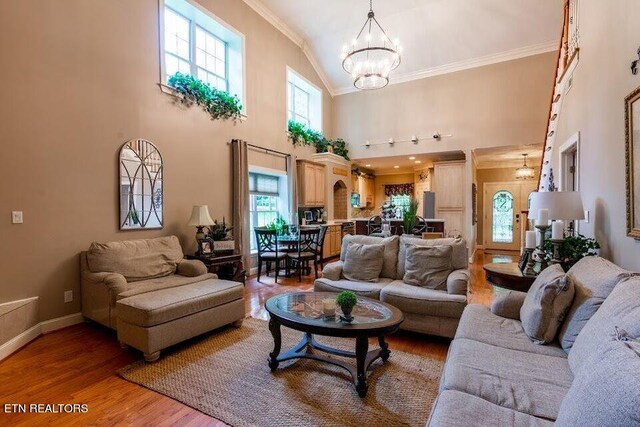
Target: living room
x,y
194,190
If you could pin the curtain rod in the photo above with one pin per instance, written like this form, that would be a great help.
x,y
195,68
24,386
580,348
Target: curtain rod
x,y
266,150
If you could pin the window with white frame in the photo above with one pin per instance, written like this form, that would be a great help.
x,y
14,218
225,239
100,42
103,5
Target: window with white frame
x,y
401,202
304,101
196,43
265,201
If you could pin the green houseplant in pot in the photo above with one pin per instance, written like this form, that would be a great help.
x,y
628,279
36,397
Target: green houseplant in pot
x,y
346,300
410,217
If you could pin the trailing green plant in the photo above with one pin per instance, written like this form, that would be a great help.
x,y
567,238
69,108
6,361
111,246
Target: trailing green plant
x,y
346,299
220,105
301,135
410,216
278,224
573,249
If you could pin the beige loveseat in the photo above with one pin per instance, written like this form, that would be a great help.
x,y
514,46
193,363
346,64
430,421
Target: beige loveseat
x,y
428,311
152,296
588,376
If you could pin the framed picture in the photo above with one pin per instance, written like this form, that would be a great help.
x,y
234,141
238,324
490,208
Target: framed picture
x,y
632,157
308,216
205,247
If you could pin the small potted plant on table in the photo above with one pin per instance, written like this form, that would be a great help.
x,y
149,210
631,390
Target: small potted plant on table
x,y
346,300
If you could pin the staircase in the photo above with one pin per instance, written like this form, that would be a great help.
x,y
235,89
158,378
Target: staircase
x,y
568,51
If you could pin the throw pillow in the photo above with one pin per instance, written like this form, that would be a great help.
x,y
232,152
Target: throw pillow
x,y
427,266
363,263
606,393
546,304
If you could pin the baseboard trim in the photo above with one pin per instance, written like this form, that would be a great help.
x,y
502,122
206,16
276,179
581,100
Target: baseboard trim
x,y
16,343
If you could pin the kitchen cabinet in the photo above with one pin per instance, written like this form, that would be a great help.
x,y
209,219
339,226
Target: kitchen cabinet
x,y
448,184
311,184
365,186
332,241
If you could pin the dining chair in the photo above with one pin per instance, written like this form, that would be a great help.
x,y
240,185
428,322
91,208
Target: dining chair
x,y
320,246
268,251
374,225
419,227
307,251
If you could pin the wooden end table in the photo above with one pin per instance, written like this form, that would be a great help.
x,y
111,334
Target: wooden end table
x,y
227,267
302,311
508,275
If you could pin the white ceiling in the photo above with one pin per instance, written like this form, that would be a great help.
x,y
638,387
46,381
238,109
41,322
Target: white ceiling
x,y
437,36
405,163
511,156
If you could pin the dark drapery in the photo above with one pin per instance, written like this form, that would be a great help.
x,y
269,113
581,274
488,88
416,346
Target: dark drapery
x,y
398,189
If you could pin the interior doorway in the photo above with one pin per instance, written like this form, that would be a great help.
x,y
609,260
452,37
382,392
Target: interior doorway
x,y
503,205
340,200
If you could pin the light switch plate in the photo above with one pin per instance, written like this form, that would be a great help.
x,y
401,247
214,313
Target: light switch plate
x,y
16,217
68,296
586,216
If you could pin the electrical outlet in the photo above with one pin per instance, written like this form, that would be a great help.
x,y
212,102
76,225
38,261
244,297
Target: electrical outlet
x,y
68,296
17,217
586,216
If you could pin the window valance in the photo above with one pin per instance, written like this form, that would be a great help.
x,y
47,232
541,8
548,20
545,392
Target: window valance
x,y
398,189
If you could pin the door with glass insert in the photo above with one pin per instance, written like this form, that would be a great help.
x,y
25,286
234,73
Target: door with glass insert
x,y
502,211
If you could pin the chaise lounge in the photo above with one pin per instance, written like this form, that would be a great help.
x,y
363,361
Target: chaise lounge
x,y
152,296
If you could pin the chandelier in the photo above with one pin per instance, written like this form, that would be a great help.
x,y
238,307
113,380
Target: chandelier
x,y
525,172
371,56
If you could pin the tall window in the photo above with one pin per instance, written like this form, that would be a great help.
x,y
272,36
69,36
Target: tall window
x,y
401,202
304,101
197,44
264,201
502,227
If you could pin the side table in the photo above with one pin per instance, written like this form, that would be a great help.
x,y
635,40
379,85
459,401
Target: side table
x,y
508,275
227,267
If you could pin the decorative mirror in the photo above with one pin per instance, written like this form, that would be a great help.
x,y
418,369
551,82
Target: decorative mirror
x,y
141,196
632,155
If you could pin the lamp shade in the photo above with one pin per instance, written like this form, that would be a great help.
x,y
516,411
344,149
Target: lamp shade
x,y
564,205
200,216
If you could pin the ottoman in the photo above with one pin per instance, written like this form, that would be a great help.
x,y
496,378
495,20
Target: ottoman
x,y
156,320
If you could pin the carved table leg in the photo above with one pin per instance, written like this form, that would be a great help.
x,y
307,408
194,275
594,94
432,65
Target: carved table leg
x,y
274,327
384,353
362,348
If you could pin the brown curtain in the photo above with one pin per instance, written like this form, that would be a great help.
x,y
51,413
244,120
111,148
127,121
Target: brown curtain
x,y
398,189
292,183
241,197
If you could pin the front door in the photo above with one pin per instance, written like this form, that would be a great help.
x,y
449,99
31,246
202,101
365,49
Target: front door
x,y
503,206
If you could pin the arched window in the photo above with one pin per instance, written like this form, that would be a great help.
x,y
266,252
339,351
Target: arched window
x,y
502,227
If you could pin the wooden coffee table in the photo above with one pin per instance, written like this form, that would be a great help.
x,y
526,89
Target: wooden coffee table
x,y
302,311
508,275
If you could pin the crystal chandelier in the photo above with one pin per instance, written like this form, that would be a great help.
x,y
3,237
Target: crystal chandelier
x,y
525,172
371,56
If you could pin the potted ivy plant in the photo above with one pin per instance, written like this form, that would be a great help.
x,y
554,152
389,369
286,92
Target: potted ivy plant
x,y
346,300
572,249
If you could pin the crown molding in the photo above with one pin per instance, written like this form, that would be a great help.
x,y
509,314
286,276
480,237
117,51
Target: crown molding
x,y
296,38
467,64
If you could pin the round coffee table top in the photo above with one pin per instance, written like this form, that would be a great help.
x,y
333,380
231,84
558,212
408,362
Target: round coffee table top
x,y
303,311
508,275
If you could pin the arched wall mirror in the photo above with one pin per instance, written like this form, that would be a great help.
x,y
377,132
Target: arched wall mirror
x,y
140,180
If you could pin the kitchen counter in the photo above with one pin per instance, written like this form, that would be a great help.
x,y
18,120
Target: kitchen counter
x,y
399,220
436,225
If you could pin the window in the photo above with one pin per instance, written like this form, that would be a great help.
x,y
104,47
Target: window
x,y
502,227
264,201
401,202
198,44
304,101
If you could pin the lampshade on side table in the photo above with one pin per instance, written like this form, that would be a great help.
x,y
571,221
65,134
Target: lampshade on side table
x,y
200,218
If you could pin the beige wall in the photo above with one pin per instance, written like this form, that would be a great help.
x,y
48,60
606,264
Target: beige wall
x,y
382,180
493,175
495,105
609,38
79,79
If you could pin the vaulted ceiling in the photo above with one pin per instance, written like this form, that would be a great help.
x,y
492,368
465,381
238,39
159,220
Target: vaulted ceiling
x,y
437,36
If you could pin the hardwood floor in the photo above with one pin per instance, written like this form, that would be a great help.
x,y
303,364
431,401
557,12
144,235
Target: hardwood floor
x,y
78,365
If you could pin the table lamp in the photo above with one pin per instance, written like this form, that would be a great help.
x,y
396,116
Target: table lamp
x,y
200,218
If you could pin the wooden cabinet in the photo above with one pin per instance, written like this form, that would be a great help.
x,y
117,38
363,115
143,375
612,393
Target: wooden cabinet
x,y
449,186
311,184
365,186
332,241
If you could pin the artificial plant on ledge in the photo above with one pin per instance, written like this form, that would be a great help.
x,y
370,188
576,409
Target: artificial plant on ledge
x,y
219,104
301,135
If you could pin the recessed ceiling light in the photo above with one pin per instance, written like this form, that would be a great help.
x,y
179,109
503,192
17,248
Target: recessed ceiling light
x,y
367,166
396,167
412,158
418,162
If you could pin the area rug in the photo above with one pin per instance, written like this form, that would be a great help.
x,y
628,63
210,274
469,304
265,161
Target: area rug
x,y
225,375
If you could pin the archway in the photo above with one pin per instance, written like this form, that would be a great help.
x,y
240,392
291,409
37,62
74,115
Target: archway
x,y
340,200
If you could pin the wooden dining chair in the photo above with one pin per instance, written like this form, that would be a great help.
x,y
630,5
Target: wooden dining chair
x,y
320,246
306,253
268,251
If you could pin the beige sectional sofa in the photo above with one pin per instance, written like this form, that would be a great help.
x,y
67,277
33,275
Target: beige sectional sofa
x,y
152,296
495,375
429,311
